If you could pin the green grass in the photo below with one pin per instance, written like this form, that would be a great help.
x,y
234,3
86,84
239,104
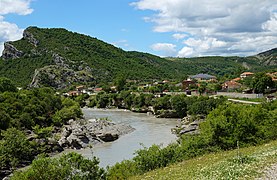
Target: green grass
x,y
247,163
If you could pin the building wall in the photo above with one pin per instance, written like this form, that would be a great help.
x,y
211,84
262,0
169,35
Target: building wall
x,y
239,95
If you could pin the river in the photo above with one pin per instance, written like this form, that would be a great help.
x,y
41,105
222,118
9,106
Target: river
x,y
149,130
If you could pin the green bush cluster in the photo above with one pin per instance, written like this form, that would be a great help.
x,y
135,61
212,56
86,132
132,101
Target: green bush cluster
x,y
14,148
23,111
70,110
68,166
180,104
233,123
225,127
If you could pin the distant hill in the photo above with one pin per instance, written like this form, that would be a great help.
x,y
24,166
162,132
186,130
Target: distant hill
x,y
59,58
268,57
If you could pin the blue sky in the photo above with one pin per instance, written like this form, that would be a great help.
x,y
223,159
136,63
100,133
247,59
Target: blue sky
x,y
183,28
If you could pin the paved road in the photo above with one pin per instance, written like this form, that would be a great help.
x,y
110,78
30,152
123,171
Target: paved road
x,y
242,101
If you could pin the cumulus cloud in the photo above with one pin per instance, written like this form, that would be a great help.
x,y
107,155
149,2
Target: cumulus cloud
x,y
271,25
179,36
10,31
21,7
185,52
166,48
121,43
219,27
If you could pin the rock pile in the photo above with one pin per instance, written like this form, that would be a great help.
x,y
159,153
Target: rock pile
x,y
84,133
189,125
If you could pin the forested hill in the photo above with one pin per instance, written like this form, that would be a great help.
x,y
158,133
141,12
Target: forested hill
x,y
57,57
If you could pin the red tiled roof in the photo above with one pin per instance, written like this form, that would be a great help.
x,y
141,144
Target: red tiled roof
x,y
236,79
248,73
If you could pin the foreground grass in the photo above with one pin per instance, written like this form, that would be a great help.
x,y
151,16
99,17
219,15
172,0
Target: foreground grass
x,y
245,163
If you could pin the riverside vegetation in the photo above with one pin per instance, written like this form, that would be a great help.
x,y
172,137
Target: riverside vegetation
x,y
59,58
25,111
39,121
226,124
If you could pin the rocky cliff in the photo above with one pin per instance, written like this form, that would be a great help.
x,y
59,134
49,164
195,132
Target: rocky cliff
x,y
10,52
268,58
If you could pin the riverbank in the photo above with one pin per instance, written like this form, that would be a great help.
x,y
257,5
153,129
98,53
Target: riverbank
x,y
76,135
245,163
86,133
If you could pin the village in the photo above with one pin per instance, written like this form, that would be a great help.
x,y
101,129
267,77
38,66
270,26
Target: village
x,y
200,84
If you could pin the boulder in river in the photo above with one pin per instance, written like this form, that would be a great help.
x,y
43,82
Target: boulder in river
x,y
84,133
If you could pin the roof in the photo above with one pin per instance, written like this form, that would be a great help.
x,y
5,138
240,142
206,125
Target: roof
x,y
236,79
203,76
232,83
98,89
248,73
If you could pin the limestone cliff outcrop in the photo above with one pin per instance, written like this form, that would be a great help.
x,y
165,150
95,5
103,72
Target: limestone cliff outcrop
x,y
59,77
30,37
10,52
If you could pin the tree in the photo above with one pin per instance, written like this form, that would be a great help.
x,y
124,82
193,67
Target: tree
x,y
68,166
234,122
178,104
7,85
202,88
14,148
261,82
120,82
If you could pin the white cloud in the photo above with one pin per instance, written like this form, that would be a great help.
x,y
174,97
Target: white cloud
x,y
215,24
179,36
271,25
166,48
21,7
10,31
121,43
185,52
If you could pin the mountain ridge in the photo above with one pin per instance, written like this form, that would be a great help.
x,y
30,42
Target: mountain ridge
x,y
45,56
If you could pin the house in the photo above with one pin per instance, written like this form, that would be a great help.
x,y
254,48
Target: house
x,y
273,76
231,85
203,77
98,90
113,88
270,98
80,88
236,79
187,83
74,93
246,74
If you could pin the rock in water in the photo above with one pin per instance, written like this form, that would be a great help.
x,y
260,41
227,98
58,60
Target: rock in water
x,y
82,134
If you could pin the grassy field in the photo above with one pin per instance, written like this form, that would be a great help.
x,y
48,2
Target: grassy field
x,y
245,163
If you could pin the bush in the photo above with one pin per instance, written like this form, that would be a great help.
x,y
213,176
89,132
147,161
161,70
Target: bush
x,y
68,166
70,110
228,124
14,148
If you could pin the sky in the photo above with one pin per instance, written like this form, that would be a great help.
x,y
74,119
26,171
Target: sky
x,y
176,28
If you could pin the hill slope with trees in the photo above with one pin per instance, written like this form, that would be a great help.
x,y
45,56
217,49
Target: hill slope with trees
x,y
59,58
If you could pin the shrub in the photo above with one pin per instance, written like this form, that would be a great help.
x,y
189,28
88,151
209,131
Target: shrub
x,y
68,166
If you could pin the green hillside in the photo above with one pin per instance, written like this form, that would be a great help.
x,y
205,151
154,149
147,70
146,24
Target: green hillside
x,y
245,163
62,58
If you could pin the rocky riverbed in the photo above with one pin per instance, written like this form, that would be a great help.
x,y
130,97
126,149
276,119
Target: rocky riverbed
x,y
86,133
189,125
76,135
